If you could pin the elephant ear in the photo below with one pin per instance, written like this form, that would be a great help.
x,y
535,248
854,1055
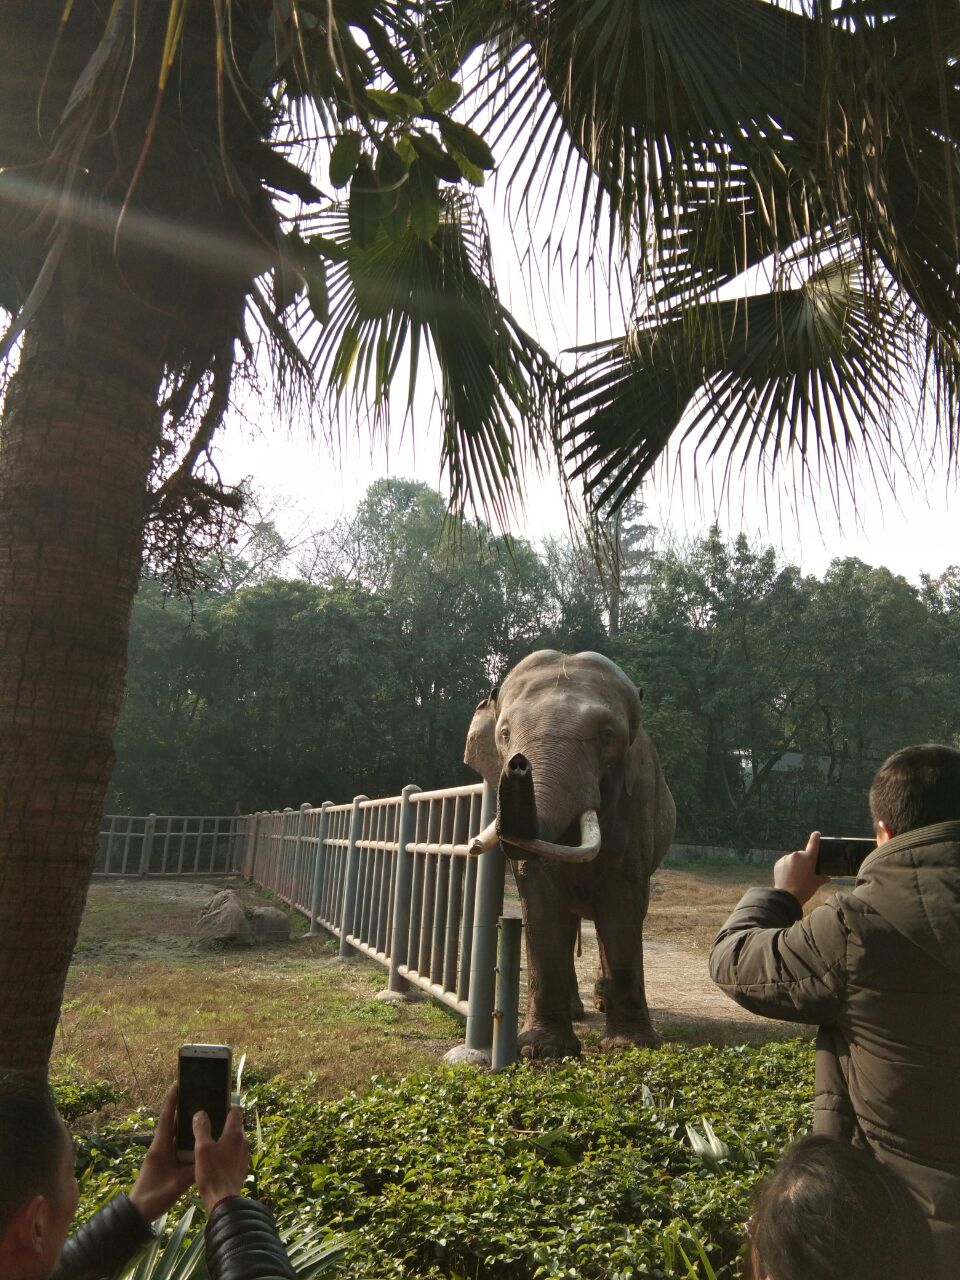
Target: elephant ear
x,y
638,753
481,749
637,761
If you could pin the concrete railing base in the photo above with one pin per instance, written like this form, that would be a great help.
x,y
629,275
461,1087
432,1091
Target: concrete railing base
x,y
399,997
460,1054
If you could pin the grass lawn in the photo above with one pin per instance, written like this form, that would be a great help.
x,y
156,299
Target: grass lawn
x,y
140,986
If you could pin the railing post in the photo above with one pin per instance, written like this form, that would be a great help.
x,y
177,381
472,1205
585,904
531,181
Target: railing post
x,y
403,884
320,866
110,834
262,852
508,993
146,849
283,860
298,851
253,848
274,848
238,843
350,878
250,846
489,903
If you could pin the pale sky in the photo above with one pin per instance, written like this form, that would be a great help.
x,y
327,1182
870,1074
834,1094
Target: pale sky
x,y
908,532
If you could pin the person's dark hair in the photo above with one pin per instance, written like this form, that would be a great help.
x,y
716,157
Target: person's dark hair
x,y
828,1210
916,787
31,1142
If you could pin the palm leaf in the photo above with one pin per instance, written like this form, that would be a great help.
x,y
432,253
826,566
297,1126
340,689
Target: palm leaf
x,y
403,297
626,95
177,1257
815,369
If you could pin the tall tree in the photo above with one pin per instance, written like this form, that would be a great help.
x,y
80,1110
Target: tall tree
x,y
723,653
146,171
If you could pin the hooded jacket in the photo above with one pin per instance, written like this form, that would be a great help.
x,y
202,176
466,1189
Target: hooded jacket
x,y
878,968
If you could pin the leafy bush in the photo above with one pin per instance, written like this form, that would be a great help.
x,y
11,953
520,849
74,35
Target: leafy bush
x,y
77,1098
610,1166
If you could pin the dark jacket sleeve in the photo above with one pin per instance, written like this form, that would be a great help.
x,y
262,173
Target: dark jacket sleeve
x,y
104,1243
772,960
242,1243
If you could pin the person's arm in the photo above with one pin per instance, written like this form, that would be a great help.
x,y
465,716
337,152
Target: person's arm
x,y
241,1237
122,1227
104,1243
771,960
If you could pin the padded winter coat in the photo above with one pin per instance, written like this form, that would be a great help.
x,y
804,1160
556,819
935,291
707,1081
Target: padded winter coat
x,y
878,968
241,1243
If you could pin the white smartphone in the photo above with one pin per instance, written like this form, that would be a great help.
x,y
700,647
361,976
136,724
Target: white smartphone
x,y
204,1072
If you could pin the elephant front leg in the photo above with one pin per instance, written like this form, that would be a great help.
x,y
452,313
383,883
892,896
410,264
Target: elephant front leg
x,y
548,1028
619,919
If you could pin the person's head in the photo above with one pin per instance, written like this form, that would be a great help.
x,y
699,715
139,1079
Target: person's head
x,y
38,1189
916,787
828,1210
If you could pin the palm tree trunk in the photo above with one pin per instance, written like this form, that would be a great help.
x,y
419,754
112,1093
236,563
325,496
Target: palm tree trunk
x,y
77,435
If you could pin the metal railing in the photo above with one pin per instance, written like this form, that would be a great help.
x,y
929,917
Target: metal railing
x,y
169,845
394,880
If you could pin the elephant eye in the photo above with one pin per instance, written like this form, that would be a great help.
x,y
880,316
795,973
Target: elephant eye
x,y
606,736
505,734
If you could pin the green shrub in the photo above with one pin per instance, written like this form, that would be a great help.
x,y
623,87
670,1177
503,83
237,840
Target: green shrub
x,y
608,1167
77,1098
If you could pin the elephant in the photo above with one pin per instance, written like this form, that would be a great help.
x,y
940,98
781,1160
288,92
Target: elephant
x,y
585,816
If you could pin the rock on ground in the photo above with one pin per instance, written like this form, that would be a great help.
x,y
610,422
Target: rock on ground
x,y
270,924
223,919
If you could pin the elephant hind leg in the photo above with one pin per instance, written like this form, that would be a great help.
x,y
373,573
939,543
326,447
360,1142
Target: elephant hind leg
x,y
599,996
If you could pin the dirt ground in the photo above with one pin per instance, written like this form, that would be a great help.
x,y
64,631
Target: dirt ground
x,y
687,909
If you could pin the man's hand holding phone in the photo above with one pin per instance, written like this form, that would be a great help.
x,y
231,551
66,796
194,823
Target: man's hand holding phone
x,y
221,1166
162,1179
797,872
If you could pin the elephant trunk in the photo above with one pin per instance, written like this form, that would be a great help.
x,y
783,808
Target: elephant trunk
x,y
516,803
516,822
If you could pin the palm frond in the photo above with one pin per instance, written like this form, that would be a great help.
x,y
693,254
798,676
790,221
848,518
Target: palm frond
x,y
819,369
405,296
630,95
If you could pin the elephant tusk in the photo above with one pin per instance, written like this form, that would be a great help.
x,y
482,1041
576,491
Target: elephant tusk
x,y
586,851
485,839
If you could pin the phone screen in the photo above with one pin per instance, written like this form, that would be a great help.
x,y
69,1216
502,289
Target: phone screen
x,y
842,855
204,1086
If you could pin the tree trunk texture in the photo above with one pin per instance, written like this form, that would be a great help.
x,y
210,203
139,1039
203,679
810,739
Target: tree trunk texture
x,y
79,428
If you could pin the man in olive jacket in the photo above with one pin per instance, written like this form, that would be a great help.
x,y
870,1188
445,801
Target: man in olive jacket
x,y
878,968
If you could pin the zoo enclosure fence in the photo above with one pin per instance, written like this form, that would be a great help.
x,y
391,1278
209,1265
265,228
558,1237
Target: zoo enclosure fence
x,y
392,878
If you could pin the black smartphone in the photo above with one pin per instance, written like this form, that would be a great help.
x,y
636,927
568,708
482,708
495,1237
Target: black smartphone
x,y
842,855
204,1078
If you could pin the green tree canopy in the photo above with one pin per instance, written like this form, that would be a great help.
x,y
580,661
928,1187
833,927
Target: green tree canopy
x,y
771,695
